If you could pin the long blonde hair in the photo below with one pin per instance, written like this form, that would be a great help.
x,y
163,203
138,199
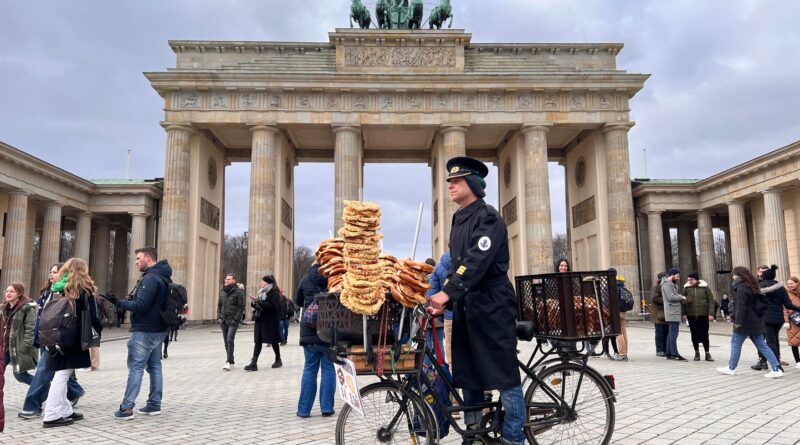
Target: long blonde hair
x,y
78,278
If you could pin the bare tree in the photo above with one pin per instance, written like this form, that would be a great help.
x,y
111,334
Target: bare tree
x,y
560,248
234,255
303,259
67,245
675,250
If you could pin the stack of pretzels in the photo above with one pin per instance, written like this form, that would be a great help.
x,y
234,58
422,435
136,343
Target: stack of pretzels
x,y
410,282
330,257
389,266
362,293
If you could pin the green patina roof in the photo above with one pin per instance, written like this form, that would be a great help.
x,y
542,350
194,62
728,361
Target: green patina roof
x,y
666,181
125,181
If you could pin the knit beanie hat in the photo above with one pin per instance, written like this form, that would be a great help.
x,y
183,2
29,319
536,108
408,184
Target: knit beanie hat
x,y
673,271
769,274
694,275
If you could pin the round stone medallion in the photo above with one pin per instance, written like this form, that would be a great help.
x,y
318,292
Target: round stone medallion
x,y
212,173
580,172
507,173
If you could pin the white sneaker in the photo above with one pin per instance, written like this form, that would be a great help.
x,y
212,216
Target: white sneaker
x,y
227,367
797,365
726,370
774,374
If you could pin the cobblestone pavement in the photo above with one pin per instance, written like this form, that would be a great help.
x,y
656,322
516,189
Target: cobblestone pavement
x,y
659,402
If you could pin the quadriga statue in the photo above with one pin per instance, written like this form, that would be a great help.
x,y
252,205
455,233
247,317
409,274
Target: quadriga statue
x,y
360,14
440,14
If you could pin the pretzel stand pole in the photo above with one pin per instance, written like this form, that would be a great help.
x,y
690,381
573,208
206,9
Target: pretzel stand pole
x,y
413,254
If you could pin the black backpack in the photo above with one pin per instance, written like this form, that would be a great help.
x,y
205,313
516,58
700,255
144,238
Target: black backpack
x,y
58,324
175,302
625,300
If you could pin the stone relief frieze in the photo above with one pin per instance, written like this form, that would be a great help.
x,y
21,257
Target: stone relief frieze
x,y
401,56
400,102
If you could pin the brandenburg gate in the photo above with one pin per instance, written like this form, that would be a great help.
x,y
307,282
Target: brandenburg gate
x,y
385,95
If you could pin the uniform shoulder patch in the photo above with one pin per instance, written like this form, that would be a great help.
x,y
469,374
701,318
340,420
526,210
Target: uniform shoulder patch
x,y
485,243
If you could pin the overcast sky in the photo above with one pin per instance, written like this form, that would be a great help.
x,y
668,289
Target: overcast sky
x,y
724,86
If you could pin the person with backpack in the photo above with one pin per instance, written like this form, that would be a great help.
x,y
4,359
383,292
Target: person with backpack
x,y
625,304
777,299
699,309
268,311
150,304
315,351
17,319
60,334
288,312
749,306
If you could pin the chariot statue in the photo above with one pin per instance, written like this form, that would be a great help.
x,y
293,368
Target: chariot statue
x,y
400,14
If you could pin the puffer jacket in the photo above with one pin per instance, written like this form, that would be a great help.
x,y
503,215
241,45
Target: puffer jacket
x,y
672,301
745,320
793,336
778,299
311,284
231,304
699,300
20,323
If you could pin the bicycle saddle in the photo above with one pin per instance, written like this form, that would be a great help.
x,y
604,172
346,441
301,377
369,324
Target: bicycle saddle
x,y
526,330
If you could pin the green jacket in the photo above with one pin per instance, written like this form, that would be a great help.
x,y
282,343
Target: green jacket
x,y
699,300
24,356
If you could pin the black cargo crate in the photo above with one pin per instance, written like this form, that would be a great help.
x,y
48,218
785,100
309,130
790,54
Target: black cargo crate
x,y
571,305
336,323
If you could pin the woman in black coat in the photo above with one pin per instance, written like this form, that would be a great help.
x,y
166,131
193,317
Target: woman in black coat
x,y
268,311
76,285
777,299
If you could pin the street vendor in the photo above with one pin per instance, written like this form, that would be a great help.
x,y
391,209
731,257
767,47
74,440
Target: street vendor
x,y
482,299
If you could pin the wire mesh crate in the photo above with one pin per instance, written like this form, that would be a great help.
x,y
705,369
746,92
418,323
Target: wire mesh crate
x,y
571,305
336,323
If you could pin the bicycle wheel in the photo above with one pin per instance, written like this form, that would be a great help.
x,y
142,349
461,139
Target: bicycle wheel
x,y
592,421
391,415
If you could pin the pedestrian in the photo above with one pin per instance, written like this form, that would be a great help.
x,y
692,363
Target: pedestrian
x,y
673,302
622,340
75,284
699,308
749,306
483,301
268,311
315,351
436,280
17,319
288,312
230,310
777,300
148,330
724,307
793,335
562,266
37,393
657,316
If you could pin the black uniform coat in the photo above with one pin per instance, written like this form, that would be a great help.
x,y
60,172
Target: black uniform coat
x,y
267,328
484,303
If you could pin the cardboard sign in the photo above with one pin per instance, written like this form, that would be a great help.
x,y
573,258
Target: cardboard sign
x,y
348,385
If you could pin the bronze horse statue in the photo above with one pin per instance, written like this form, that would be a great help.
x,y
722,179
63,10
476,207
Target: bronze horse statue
x,y
382,12
415,21
440,14
360,14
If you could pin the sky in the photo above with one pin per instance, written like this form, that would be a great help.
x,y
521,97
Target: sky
x,y
723,88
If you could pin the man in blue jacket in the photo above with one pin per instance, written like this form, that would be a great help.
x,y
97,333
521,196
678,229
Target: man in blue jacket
x,y
147,332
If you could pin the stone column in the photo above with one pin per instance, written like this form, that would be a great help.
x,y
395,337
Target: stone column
x,y
538,228
454,143
50,245
121,264
102,245
261,228
656,232
685,247
83,236
16,244
138,237
621,227
173,241
347,166
775,224
708,265
740,246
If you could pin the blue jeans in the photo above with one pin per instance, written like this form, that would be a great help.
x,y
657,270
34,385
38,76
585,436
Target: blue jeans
x,y
284,325
316,357
22,377
439,336
672,338
40,385
144,351
761,344
513,405
662,330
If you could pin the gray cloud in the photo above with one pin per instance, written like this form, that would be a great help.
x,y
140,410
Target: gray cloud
x,y
723,86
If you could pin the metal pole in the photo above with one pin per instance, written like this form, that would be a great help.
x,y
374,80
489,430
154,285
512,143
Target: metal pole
x,y
413,254
128,166
645,163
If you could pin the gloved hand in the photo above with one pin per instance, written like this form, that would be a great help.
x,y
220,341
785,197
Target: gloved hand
x,y
112,299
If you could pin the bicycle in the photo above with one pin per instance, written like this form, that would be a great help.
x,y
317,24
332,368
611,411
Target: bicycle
x,y
567,401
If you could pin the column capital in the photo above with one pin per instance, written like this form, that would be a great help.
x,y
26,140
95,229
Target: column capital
x,y
771,191
446,128
654,212
84,214
265,127
170,126
704,212
543,127
18,193
52,204
144,214
735,203
618,126
349,128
